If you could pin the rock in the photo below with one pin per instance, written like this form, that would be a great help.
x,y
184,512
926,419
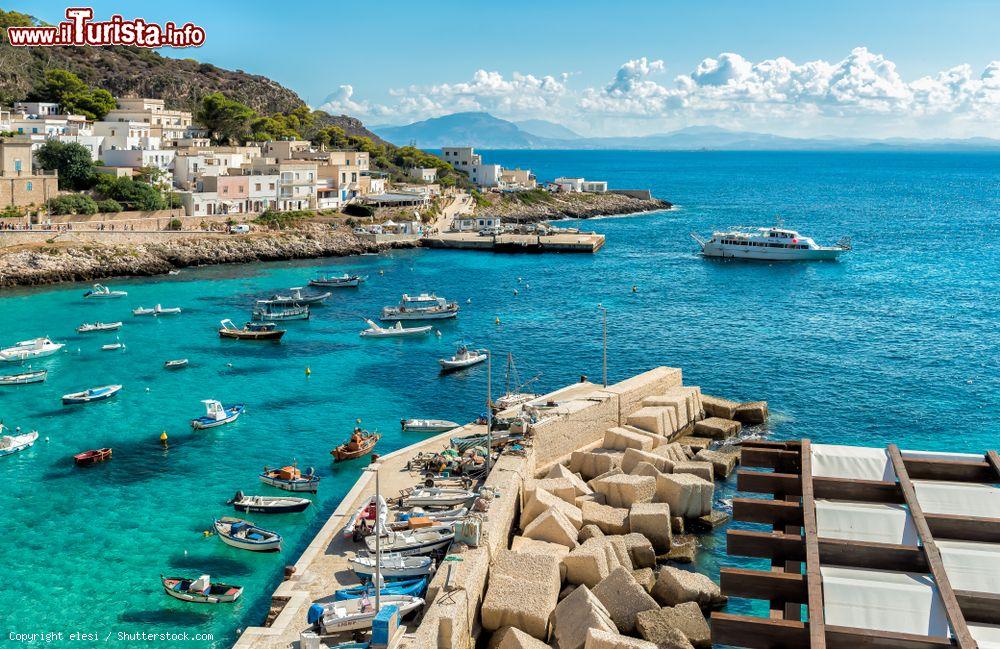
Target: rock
x,y
624,598
655,628
723,464
531,546
717,428
607,474
591,498
677,524
675,586
543,501
640,550
688,495
554,527
651,420
523,592
588,564
575,615
683,548
591,464
646,577
646,469
751,412
590,532
652,520
619,553
719,407
511,638
673,411
624,490
632,458
559,487
597,639
686,618
710,521
610,520
673,452
560,471
700,469
693,444
620,439
657,439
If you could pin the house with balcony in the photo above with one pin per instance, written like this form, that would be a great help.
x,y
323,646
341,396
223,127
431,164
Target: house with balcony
x,y
578,185
125,135
422,174
296,181
21,184
487,176
165,124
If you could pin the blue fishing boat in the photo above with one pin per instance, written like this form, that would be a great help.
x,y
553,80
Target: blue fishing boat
x,y
93,394
414,587
217,414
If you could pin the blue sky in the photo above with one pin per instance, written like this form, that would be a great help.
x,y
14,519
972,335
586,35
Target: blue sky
x,y
881,68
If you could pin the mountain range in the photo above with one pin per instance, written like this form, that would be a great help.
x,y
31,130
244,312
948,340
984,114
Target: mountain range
x,y
485,131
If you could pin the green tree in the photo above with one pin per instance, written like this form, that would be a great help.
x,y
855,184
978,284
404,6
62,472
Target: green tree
x,y
71,160
227,120
72,204
73,95
109,205
131,193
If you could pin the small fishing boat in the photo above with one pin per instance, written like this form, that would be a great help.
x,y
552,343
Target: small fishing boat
x,y
268,504
246,536
421,307
200,590
265,312
290,478
89,327
217,414
95,456
361,443
412,587
175,364
343,281
364,516
375,331
10,444
424,540
27,349
92,394
251,331
438,497
357,614
110,347
100,292
427,425
392,566
296,298
463,358
439,516
36,376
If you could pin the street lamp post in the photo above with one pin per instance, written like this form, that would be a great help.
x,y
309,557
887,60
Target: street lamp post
x,y
604,314
378,538
489,410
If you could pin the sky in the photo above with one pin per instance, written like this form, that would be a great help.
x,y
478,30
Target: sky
x,y
872,69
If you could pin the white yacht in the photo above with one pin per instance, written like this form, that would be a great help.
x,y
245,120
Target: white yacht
x,y
26,349
421,307
770,244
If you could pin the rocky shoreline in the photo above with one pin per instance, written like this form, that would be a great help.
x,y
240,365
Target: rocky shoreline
x,y
569,206
49,264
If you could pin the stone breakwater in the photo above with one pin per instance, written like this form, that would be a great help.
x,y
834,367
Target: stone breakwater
x,y
73,262
569,206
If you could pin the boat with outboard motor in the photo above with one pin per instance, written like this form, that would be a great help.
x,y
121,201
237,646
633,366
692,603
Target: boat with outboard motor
x,y
296,297
200,590
362,442
265,312
217,414
10,444
268,504
250,331
101,292
464,357
392,566
364,517
110,347
157,310
437,497
357,614
176,363
91,394
427,425
94,456
344,281
244,535
395,331
23,378
768,244
420,541
291,478
420,307
27,349
413,587
89,327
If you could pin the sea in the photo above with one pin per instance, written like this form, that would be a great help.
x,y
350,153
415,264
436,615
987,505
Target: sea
x,y
896,342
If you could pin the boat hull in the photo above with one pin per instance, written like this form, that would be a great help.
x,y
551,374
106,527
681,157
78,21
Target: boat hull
x,y
364,568
16,355
272,544
250,507
418,426
305,486
225,595
252,335
341,453
89,458
202,423
448,365
761,253
356,620
19,443
393,316
82,397
347,283
267,316
25,378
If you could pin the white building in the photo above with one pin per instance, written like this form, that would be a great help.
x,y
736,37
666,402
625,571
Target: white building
x,y
577,185
162,159
423,174
188,167
91,143
466,223
125,135
168,125
464,158
40,108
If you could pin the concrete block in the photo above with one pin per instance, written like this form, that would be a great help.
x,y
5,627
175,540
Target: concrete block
x,y
554,527
597,639
646,469
693,444
751,412
610,472
710,521
686,618
624,598
719,407
579,612
619,439
675,586
591,464
590,532
688,495
560,471
640,550
624,490
523,591
717,428
610,520
649,419
701,469
674,411
558,487
645,576
723,464
525,545
683,548
655,628
511,638
588,563
592,497
543,501
652,520
633,456
673,452
657,439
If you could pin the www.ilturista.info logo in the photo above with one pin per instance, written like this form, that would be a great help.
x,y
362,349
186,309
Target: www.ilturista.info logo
x,y
80,29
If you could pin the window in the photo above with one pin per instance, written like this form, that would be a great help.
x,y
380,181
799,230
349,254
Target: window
x,y
256,187
17,165
29,186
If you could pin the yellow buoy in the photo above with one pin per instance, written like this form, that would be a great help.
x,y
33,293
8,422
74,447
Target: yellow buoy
x,y
308,371
163,436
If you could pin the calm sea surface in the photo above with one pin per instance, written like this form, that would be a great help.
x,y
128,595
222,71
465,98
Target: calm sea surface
x,y
897,342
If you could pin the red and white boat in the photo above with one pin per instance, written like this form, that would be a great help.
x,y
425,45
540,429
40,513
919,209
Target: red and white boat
x,y
94,456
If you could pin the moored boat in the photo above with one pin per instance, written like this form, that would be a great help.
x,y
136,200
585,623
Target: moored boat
x,y
143,311
290,478
361,443
244,535
110,347
344,281
392,566
364,517
176,363
28,349
89,327
412,587
200,590
357,614
375,331
91,394
217,414
421,307
10,444
95,456
250,331
437,497
464,357
428,425
264,312
101,292
35,376
768,244
296,297
421,541
168,310
268,504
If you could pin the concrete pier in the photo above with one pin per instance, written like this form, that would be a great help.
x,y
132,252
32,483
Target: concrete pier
x,y
561,242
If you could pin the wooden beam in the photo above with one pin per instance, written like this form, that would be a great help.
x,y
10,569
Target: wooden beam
x,y
770,512
760,584
955,618
761,482
758,632
765,545
788,445
770,458
872,556
964,528
994,459
983,608
919,468
870,491
814,579
842,637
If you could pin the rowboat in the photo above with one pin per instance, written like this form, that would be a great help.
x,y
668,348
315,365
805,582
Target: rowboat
x,y
10,444
463,358
110,347
361,443
217,414
251,331
424,540
356,614
27,349
246,536
268,504
88,327
36,376
392,566
412,587
438,497
376,331
364,516
200,590
296,298
265,312
93,394
175,364
343,281
100,292
94,456
427,425
290,478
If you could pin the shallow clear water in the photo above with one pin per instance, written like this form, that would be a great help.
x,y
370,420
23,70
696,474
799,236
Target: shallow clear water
x,y
898,342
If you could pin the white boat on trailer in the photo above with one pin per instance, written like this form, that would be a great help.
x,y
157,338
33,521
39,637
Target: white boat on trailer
x,y
420,307
424,540
357,614
395,331
27,349
392,566
768,244
24,378
428,425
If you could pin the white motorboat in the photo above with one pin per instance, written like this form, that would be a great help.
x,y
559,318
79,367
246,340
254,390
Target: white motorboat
x,y
428,425
176,363
23,378
437,497
91,394
296,298
420,307
28,349
464,357
88,327
264,312
342,281
768,244
424,540
366,514
268,504
392,566
110,347
101,292
169,310
10,444
395,331
144,311
357,614
246,536
217,414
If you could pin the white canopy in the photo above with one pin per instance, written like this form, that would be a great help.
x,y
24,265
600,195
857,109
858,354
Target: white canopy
x,y
873,522
958,498
858,462
899,602
971,565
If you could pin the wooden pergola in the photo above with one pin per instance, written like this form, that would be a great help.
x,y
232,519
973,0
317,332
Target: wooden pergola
x,y
797,552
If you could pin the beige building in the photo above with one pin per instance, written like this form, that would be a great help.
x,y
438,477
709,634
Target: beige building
x,y
21,184
297,181
168,125
517,178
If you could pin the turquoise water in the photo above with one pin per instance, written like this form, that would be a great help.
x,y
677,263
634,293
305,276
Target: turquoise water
x,y
896,343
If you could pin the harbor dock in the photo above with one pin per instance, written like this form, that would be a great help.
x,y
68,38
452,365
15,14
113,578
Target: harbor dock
x,y
511,242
